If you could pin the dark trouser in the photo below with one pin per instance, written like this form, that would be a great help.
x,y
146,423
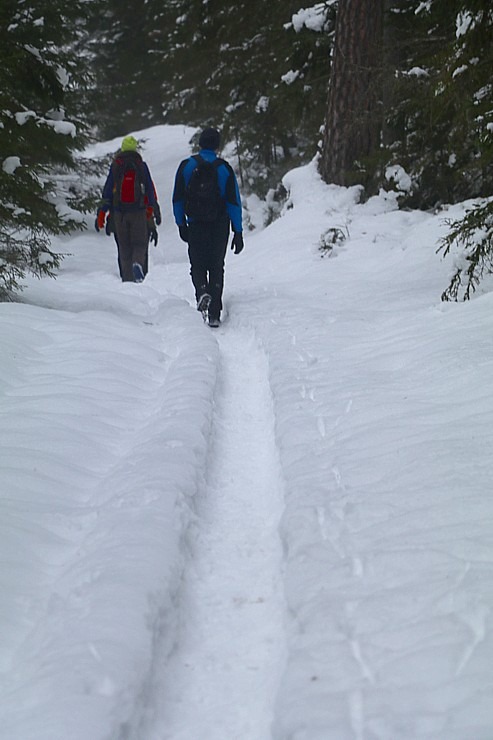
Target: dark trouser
x,y
145,266
207,243
132,241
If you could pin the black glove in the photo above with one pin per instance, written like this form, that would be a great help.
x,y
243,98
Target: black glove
x,y
183,229
157,214
237,243
153,237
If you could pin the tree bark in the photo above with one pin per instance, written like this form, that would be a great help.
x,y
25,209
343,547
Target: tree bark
x,y
354,110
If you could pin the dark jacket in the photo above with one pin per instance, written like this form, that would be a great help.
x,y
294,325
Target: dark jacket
x,y
228,187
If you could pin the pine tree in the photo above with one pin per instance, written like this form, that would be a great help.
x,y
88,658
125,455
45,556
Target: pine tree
x,y
41,132
223,64
443,118
354,109
474,236
442,100
277,102
216,63
125,97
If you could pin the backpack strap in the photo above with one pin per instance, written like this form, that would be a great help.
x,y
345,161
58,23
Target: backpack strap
x,y
215,162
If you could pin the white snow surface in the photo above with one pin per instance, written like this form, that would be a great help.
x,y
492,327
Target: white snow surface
x,y
10,164
313,18
277,530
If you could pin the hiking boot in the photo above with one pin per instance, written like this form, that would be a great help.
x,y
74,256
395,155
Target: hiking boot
x,y
214,322
203,302
138,272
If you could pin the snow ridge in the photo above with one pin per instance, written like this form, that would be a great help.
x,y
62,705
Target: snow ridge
x,y
230,650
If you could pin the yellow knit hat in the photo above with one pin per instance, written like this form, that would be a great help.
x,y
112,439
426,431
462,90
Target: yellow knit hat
x,y
129,144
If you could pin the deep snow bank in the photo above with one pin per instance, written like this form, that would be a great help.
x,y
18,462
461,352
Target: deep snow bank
x,y
382,401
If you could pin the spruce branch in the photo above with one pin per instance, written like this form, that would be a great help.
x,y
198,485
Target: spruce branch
x,y
473,235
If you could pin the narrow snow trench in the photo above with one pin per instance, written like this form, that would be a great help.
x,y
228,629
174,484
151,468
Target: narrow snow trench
x,y
221,681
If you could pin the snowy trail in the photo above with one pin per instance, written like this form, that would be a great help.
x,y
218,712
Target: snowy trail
x,y
230,652
142,488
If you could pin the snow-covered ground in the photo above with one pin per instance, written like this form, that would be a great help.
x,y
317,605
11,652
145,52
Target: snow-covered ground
x,y
280,529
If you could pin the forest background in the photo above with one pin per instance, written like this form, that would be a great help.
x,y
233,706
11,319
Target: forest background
x,y
269,75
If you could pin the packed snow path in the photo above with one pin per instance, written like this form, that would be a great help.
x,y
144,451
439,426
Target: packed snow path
x,y
230,649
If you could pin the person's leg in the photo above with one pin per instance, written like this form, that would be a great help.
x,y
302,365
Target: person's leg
x,y
220,235
145,266
198,248
118,255
139,236
110,229
124,247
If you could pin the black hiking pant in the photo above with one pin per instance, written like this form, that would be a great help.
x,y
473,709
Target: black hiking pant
x,y
132,239
207,244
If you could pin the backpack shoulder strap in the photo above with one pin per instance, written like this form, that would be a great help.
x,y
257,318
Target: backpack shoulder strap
x,y
117,162
117,170
215,162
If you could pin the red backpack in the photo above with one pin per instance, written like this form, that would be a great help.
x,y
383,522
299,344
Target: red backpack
x,y
129,182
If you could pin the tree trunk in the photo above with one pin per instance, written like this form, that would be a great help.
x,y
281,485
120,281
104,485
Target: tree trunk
x,y
354,110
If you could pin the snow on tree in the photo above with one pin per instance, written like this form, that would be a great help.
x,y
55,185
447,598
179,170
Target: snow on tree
x,y
210,64
441,106
40,133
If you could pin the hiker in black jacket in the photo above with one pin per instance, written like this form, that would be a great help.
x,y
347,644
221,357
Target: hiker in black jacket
x,y
206,200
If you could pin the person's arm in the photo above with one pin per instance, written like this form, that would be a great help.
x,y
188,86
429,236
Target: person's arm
x,y
150,189
107,196
157,208
179,193
105,202
233,201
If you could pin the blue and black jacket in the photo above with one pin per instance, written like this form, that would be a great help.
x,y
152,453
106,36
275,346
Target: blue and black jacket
x,y
228,187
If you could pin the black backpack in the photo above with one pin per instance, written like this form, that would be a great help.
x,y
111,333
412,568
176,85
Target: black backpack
x,y
203,201
129,187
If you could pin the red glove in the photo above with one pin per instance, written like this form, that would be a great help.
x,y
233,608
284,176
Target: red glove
x,y
100,219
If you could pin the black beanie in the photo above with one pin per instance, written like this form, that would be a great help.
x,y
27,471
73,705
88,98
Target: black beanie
x,y
210,138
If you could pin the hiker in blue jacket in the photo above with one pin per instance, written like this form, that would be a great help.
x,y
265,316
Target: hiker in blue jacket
x,y
206,201
129,194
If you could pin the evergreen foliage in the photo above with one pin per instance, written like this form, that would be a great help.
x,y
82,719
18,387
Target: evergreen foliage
x,y
440,109
444,111
474,235
244,67
470,68
40,133
438,103
124,97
